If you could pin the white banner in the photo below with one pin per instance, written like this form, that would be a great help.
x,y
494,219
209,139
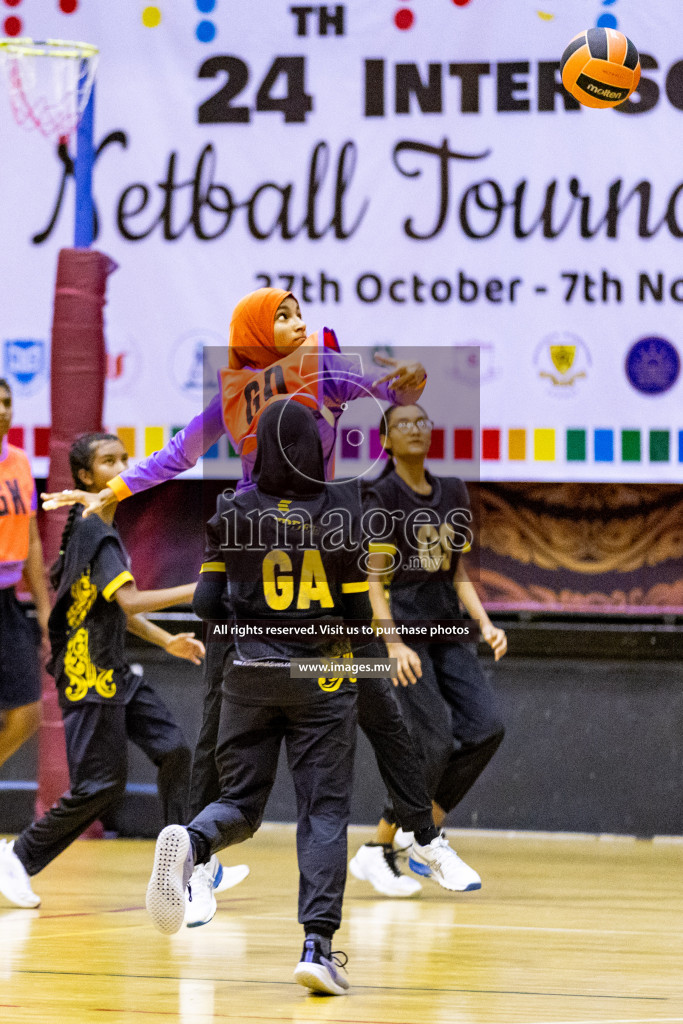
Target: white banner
x,y
414,174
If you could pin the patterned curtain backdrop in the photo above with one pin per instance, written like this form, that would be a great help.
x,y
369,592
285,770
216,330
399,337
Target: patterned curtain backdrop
x,y
542,547
581,547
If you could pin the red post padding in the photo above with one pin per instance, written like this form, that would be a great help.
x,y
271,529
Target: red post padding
x,y
76,397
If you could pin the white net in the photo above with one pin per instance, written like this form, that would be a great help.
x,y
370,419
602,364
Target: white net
x,y
49,82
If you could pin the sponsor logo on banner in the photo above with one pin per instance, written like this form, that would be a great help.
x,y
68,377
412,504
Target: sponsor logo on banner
x,y
474,364
562,361
652,365
123,367
194,362
24,365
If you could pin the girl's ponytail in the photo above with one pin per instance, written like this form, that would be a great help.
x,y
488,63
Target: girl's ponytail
x,y
57,568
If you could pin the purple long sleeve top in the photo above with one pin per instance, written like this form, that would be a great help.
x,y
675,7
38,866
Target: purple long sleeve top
x,y
343,381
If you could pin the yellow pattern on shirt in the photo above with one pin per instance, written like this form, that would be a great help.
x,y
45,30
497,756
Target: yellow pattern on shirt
x,y
83,675
84,593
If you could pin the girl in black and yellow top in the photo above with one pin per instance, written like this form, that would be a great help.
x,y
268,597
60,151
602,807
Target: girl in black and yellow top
x,y
448,703
295,577
103,703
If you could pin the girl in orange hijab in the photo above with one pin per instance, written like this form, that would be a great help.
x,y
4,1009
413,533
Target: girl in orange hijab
x,y
271,358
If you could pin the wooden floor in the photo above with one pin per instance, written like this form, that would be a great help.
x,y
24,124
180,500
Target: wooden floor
x,y
564,930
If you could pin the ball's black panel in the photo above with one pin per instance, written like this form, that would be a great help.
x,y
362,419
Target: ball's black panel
x,y
597,43
575,45
631,58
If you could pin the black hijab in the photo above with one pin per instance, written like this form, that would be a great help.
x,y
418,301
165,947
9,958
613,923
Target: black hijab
x,y
289,457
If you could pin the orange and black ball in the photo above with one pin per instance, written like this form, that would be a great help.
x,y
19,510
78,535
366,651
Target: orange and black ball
x,y
600,67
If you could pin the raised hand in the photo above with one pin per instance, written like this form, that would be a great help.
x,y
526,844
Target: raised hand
x,y
403,375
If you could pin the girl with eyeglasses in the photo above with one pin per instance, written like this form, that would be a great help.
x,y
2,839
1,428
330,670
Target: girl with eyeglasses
x,y
448,703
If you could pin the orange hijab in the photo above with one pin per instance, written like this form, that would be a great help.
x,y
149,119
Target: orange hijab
x,y
251,329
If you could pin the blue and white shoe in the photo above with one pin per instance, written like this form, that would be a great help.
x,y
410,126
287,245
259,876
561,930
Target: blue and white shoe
x,y
320,974
207,880
227,878
439,861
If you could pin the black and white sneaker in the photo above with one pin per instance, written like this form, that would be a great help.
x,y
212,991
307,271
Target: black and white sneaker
x,y
320,974
376,863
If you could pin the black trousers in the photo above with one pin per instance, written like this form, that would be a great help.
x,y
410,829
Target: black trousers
x,y
97,737
380,718
204,784
398,760
454,720
261,707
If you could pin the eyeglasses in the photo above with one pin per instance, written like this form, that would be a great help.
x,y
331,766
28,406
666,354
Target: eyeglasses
x,y
423,425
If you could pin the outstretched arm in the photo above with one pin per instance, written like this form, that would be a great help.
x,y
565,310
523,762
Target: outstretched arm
x,y
181,453
100,502
181,645
134,601
345,379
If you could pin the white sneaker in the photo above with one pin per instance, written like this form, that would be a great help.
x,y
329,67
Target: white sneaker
x,y
200,898
171,873
15,885
438,860
402,842
228,878
377,865
206,882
